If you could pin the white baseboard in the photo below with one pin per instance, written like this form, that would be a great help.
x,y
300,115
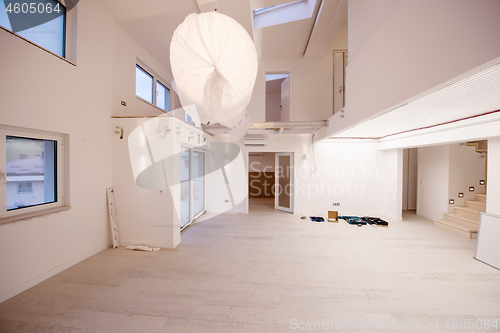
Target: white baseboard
x,y
40,278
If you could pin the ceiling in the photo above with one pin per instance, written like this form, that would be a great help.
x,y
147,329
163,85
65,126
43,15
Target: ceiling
x,y
152,24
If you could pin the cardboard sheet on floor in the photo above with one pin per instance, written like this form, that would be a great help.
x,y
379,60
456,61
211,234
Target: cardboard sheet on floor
x,y
142,248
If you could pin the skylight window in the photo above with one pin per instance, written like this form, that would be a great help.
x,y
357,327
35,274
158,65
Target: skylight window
x,y
261,11
283,13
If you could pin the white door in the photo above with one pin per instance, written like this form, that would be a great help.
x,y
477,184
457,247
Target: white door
x,y
338,84
285,100
283,187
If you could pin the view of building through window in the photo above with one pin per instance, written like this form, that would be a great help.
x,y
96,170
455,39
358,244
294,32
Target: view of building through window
x,y
31,172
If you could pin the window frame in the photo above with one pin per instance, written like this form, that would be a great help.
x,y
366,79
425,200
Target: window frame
x,y
65,49
264,10
137,66
156,80
60,175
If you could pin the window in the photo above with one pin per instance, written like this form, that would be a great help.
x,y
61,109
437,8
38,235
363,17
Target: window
x,y
162,96
31,173
185,187
24,187
283,13
198,182
264,10
143,84
50,35
188,119
144,88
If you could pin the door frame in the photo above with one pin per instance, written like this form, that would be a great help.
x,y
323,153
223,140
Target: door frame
x,y
287,71
270,150
292,176
192,217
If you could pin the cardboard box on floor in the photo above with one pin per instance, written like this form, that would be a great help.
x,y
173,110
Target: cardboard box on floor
x,y
333,216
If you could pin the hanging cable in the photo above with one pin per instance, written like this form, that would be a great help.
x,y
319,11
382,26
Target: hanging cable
x,y
314,154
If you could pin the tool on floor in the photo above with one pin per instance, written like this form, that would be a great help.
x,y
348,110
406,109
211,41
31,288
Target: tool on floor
x,y
112,217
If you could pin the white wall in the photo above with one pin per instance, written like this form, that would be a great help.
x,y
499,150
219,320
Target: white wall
x,y
78,101
128,53
389,186
144,216
398,49
362,179
433,176
264,163
311,84
493,191
467,168
71,100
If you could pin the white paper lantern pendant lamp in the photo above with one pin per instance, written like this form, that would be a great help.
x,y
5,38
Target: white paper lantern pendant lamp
x,y
214,64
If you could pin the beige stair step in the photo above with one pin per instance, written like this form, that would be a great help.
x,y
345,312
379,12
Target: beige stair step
x,y
469,213
481,197
462,226
476,205
460,218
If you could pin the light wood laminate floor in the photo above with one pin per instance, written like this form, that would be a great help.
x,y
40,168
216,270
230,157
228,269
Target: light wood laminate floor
x,y
269,271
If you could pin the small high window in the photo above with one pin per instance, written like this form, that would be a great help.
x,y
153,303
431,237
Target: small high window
x,y
284,13
50,35
261,11
150,89
144,84
162,96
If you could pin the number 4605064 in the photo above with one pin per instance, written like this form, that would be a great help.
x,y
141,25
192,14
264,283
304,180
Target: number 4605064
x,y
471,324
32,8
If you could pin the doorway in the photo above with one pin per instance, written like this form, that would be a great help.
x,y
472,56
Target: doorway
x,y
410,172
277,96
270,181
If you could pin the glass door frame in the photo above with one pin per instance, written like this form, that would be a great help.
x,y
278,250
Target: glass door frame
x,y
191,192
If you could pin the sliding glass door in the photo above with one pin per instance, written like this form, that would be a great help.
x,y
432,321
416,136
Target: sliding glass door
x,y
185,186
198,183
192,185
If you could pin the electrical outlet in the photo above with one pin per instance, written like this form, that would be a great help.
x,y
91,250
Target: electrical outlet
x,y
336,203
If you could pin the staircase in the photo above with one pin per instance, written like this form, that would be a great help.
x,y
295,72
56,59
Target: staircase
x,y
465,219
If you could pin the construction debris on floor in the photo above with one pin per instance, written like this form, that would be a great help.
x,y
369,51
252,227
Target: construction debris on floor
x,y
317,219
359,221
142,248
